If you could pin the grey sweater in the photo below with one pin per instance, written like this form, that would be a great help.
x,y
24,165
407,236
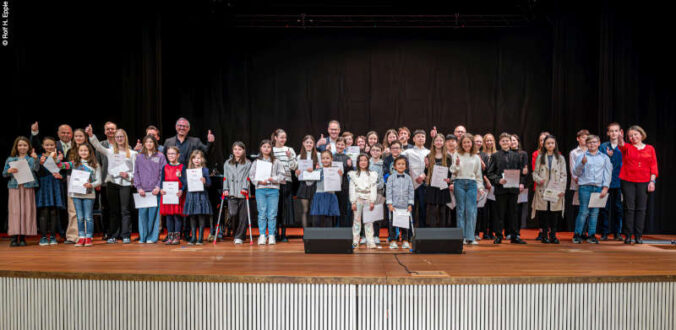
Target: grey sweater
x,y
277,174
235,177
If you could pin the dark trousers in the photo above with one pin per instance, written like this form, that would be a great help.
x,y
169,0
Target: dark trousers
x,y
120,215
322,221
611,215
392,232
343,205
174,223
421,219
285,213
635,205
437,215
196,219
483,218
548,222
105,209
49,217
505,217
237,212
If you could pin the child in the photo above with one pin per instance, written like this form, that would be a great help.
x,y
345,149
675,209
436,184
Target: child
x,y
236,171
388,162
306,189
363,193
400,195
451,145
436,198
550,169
174,171
371,139
361,143
325,204
611,215
376,165
84,203
390,136
49,197
343,194
593,171
467,186
489,210
197,206
572,156
21,202
416,158
267,193
505,198
287,157
349,138
404,135
516,146
148,179
121,159
483,213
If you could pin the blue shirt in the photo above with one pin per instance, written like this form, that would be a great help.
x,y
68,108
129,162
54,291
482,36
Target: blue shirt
x,y
616,161
596,172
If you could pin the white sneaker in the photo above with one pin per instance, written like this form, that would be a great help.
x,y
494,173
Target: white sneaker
x,y
464,242
362,240
405,246
393,245
271,240
261,240
238,241
474,243
477,238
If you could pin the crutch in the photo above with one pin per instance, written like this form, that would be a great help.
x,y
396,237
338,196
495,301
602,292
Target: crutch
x,y
411,236
220,211
245,192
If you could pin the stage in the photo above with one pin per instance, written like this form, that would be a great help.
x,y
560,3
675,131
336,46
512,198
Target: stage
x,y
609,285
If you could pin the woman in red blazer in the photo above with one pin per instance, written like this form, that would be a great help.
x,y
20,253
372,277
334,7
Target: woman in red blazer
x,y
638,174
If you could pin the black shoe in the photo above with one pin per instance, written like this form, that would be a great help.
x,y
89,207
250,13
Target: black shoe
x,y
544,240
576,239
604,237
518,240
105,237
540,236
583,236
592,239
627,240
618,237
497,240
68,242
284,239
14,242
639,240
553,240
22,241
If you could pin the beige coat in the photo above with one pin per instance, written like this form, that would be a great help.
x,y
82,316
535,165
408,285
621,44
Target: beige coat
x,y
540,173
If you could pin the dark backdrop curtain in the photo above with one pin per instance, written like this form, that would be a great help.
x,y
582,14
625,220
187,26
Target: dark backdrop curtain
x,y
143,64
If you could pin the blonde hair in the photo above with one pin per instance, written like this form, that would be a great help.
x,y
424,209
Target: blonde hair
x,y
472,150
194,154
485,149
432,156
116,148
640,130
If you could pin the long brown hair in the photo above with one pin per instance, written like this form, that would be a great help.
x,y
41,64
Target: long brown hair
x,y
431,157
389,131
144,150
472,150
275,134
303,152
91,159
543,151
242,160
260,153
359,170
15,151
193,155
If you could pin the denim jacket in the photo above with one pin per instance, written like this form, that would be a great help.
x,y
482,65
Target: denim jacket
x,y
34,166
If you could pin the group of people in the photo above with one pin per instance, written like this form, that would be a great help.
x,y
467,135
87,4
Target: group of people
x,y
455,180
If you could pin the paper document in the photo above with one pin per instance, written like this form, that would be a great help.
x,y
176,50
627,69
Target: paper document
x,y
194,179
512,177
171,189
50,165
372,216
149,200
263,171
332,181
77,180
401,218
24,175
523,197
595,201
439,174
338,165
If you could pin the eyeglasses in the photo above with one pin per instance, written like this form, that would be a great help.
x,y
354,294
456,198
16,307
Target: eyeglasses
x,y
182,126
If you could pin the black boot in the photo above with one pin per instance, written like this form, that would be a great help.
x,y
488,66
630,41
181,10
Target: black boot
x,y
284,238
553,239
14,242
167,240
22,240
639,240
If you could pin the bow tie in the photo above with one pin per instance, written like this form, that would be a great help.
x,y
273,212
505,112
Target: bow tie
x,y
400,175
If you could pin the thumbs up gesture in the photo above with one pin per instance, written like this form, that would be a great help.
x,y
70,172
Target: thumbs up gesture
x,y
35,127
584,159
321,141
89,130
211,137
33,154
457,161
609,152
433,132
138,147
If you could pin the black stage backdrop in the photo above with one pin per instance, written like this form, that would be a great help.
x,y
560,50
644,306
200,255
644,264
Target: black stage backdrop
x,y
140,64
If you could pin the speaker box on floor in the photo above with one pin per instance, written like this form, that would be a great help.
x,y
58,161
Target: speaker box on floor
x,y
437,240
327,240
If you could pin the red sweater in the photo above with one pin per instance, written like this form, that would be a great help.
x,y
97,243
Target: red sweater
x,y
638,165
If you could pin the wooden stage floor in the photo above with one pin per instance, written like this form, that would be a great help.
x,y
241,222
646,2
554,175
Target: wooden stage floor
x,y
610,261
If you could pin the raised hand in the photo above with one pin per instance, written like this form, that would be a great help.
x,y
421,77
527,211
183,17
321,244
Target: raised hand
x,y
210,137
288,153
89,130
33,154
60,156
35,127
609,152
321,141
138,147
43,158
433,132
584,160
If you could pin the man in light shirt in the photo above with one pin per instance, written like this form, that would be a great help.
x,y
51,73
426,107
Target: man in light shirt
x,y
416,160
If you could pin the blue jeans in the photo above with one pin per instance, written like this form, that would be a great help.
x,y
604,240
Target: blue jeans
x,y
465,206
83,210
267,202
148,223
584,192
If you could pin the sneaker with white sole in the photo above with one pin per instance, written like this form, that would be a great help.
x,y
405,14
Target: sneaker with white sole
x,y
474,243
261,240
272,240
405,245
362,240
393,245
238,241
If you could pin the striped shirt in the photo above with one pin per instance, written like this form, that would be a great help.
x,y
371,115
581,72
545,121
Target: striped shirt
x,y
288,162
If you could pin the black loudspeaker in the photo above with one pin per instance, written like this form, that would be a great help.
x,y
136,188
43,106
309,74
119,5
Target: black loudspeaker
x,y
328,240
437,240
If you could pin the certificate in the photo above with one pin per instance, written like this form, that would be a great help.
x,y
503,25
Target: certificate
x,y
50,165
24,175
576,198
303,166
482,199
77,181
451,204
263,171
332,180
439,174
595,201
523,197
171,189
339,165
194,179
315,175
373,216
119,168
401,218
552,191
353,150
491,194
512,177
149,200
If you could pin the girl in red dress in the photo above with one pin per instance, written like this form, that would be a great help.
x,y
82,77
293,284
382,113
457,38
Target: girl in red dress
x,y
173,172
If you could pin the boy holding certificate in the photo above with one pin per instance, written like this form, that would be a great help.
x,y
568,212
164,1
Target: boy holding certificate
x,y
506,190
400,199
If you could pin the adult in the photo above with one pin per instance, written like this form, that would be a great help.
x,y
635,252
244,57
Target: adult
x,y
459,132
109,129
330,141
638,175
65,133
187,144
153,131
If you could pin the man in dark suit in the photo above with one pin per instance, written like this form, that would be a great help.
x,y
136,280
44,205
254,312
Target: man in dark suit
x,y
330,141
187,144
